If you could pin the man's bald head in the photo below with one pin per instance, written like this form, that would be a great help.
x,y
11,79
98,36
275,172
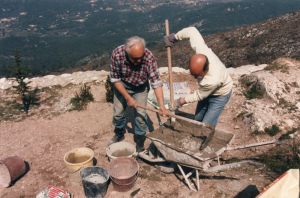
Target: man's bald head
x,y
198,65
135,48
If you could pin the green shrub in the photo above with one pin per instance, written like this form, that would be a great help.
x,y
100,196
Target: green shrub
x,y
273,130
109,91
287,105
288,133
254,92
258,41
81,99
253,88
283,158
277,66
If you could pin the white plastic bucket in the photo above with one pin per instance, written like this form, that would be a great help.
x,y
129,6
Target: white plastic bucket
x,y
120,149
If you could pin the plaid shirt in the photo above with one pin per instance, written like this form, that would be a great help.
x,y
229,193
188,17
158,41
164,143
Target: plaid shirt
x,y
122,70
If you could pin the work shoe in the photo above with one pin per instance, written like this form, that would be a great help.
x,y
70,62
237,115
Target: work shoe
x,y
119,136
139,141
115,139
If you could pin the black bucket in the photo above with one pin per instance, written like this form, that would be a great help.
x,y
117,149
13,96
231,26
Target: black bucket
x,y
95,181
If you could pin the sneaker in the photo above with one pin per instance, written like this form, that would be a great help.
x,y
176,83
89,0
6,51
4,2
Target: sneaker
x,y
115,139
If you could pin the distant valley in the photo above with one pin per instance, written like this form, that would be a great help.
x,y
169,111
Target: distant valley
x,y
55,35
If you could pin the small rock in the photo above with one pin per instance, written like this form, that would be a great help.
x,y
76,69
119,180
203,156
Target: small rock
x,y
236,127
298,106
65,75
289,123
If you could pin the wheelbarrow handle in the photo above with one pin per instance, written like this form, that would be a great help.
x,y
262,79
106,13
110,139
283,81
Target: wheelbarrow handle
x,y
252,145
173,115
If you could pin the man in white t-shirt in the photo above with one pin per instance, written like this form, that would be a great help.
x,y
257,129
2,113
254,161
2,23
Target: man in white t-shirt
x,y
215,84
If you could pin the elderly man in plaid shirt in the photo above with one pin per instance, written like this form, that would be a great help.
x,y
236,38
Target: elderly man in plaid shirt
x,y
133,69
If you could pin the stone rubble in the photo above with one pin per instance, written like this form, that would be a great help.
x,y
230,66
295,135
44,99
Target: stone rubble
x,y
280,106
62,80
73,78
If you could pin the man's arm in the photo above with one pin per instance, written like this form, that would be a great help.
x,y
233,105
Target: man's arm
x,y
203,92
156,83
196,40
121,89
115,78
198,95
160,99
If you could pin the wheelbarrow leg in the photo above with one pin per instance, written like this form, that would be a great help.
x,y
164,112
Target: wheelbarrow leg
x,y
186,178
197,179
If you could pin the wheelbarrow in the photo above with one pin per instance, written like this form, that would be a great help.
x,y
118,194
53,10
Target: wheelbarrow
x,y
180,143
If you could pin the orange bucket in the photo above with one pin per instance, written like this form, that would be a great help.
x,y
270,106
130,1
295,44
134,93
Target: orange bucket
x,y
123,172
11,168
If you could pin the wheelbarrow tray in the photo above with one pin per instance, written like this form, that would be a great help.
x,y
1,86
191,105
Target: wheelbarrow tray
x,y
180,143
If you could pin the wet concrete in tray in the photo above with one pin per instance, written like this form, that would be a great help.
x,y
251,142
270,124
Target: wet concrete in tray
x,y
181,135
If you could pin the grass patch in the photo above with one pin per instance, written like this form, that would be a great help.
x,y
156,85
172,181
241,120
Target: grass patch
x,y
273,130
253,88
81,99
277,66
52,95
109,90
283,158
288,133
294,84
254,92
287,105
10,110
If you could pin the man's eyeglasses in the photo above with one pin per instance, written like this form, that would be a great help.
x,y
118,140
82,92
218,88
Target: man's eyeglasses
x,y
134,60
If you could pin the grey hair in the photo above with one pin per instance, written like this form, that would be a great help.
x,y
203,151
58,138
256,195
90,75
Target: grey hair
x,y
132,41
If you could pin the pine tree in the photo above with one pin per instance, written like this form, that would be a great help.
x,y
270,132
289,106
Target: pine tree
x,y
22,88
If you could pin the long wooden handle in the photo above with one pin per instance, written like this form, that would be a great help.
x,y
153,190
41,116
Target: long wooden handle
x,y
173,116
170,67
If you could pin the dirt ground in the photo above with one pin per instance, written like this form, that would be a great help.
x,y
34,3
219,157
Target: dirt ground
x,y
42,139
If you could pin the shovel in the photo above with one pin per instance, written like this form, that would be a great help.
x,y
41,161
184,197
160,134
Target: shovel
x,y
200,129
194,124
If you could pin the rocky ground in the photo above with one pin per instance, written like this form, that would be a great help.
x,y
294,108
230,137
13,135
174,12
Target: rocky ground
x,y
252,44
259,43
50,130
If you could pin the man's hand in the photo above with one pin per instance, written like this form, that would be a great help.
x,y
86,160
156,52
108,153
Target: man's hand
x,y
170,40
180,102
163,111
131,102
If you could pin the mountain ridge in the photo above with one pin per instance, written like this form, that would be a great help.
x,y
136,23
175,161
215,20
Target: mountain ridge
x,y
259,43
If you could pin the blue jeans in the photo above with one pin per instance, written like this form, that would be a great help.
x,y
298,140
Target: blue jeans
x,y
210,109
140,94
